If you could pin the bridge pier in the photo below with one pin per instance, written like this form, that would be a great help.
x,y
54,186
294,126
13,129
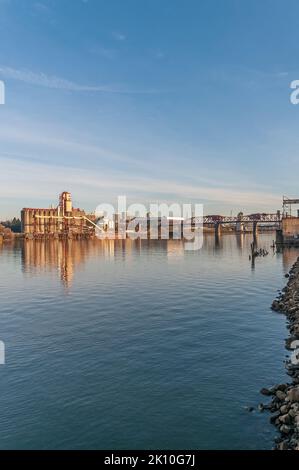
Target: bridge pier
x,y
173,231
239,227
148,227
255,232
217,227
279,237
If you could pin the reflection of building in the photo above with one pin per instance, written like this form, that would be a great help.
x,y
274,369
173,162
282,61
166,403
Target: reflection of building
x,y
62,220
64,256
289,256
175,249
51,256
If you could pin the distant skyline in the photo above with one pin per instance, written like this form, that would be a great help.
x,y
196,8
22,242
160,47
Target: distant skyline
x,y
161,101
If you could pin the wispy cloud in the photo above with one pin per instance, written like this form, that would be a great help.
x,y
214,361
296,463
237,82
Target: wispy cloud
x,y
28,137
244,76
36,179
30,142
282,74
58,83
102,51
41,7
160,55
119,36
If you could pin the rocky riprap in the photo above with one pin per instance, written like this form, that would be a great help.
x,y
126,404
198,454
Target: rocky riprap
x,y
285,397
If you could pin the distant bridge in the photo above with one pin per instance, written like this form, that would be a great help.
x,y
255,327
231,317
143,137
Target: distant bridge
x,y
218,220
244,219
212,220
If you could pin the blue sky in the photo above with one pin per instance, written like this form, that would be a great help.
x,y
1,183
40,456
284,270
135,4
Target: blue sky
x,y
172,100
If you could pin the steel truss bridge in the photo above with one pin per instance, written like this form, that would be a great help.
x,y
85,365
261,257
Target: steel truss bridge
x,y
244,219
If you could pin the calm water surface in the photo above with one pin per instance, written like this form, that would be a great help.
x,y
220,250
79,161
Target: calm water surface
x,y
139,344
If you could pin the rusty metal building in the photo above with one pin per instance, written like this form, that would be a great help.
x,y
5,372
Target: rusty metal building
x,y
61,220
288,233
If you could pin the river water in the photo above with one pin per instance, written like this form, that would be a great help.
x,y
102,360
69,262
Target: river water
x,y
129,344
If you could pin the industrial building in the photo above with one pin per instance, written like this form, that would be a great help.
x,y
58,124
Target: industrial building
x,y
288,233
61,221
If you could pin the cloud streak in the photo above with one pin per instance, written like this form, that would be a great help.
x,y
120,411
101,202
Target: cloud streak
x,y
58,83
118,36
35,180
27,136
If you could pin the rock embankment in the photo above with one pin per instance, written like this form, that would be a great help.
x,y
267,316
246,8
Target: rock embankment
x,y
285,397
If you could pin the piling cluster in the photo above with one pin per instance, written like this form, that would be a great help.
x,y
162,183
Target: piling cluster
x,y
284,405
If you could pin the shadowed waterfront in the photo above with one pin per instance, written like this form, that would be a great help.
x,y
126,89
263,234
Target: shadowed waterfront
x,y
139,344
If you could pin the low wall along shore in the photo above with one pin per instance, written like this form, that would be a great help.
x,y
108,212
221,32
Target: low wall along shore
x,y
285,397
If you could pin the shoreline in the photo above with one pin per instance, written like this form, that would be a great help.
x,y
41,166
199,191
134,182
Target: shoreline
x,y
284,404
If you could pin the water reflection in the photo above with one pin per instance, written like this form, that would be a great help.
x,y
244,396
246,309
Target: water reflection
x,y
140,329
65,256
289,256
